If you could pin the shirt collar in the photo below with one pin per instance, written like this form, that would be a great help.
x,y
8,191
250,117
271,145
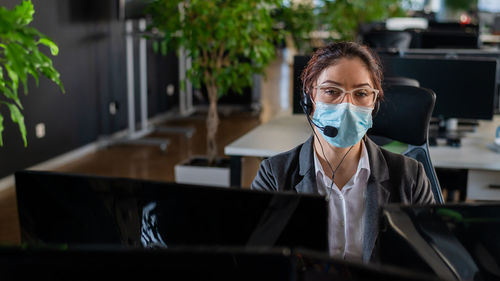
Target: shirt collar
x,y
363,165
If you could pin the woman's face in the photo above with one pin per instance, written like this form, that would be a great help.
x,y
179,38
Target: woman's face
x,y
347,73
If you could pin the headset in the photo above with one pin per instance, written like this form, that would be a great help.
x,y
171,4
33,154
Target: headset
x,y
329,131
307,107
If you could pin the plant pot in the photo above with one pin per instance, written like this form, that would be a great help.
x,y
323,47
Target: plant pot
x,y
195,170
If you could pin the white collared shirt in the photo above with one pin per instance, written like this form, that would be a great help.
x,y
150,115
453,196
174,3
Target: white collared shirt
x,y
346,207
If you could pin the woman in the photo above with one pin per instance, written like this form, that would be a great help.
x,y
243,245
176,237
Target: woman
x,y
342,87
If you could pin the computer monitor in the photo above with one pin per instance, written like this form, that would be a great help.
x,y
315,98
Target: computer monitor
x,y
85,11
190,263
465,87
315,267
448,35
452,242
132,9
74,210
187,263
463,53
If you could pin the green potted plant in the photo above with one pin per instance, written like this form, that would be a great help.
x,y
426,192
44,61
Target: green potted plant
x,y
20,57
298,19
228,41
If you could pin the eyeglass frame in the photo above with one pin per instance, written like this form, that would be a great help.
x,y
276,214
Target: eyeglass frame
x,y
344,92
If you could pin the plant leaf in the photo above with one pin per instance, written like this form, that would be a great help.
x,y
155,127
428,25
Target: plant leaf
x,y
54,50
13,77
10,95
17,117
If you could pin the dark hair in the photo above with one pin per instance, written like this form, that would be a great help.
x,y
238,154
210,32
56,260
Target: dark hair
x,y
330,54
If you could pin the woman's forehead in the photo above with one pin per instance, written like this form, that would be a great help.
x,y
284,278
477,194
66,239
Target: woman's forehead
x,y
349,71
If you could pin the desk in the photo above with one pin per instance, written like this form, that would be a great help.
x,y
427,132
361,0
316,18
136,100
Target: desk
x,y
483,165
285,132
278,135
489,38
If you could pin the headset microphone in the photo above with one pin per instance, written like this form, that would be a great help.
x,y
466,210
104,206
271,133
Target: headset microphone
x,y
306,104
330,131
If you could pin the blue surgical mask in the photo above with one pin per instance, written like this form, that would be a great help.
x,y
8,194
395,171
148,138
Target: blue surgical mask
x,y
351,121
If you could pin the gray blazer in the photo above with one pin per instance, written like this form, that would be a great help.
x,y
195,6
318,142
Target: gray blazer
x,y
394,178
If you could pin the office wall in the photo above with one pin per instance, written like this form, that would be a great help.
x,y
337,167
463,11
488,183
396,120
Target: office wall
x,y
92,64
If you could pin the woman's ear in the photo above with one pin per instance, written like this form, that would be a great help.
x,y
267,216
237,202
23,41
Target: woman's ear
x,y
306,103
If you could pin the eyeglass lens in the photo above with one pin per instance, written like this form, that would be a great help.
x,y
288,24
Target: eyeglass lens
x,y
335,95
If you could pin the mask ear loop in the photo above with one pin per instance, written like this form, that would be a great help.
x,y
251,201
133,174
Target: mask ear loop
x,y
376,107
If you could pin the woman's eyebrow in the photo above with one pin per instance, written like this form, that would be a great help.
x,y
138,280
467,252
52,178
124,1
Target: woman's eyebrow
x,y
331,82
339,84
362,85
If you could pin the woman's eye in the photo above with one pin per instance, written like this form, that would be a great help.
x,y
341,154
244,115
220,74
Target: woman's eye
x,y
332,91
362,93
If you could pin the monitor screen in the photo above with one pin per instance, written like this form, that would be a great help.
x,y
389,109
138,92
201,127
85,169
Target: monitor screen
x,y
465,87
69,209
190,263
454,242
88,10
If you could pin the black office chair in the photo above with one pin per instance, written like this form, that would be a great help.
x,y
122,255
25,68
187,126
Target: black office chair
x,y
404,116
399,80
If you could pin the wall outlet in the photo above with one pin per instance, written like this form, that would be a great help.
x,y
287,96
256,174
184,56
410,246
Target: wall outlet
x,y
113,108
170,90
40,130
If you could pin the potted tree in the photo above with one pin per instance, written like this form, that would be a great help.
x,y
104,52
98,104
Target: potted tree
x,y
19,58
228,41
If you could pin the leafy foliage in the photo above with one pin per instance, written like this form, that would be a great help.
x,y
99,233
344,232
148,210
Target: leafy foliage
x,y
461,5
230,40
298,20
340,19
345,16
20,57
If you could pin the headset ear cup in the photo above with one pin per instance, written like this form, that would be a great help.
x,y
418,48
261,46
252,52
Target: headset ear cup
x,y
307,104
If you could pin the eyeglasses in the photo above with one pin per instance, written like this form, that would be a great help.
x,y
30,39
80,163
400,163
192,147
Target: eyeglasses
x,y
364,96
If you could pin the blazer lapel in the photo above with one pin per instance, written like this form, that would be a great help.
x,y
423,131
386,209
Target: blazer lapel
x,y
306,169
377,194
377,191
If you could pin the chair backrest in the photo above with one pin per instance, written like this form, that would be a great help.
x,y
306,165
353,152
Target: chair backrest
x,y
399,80
404,116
